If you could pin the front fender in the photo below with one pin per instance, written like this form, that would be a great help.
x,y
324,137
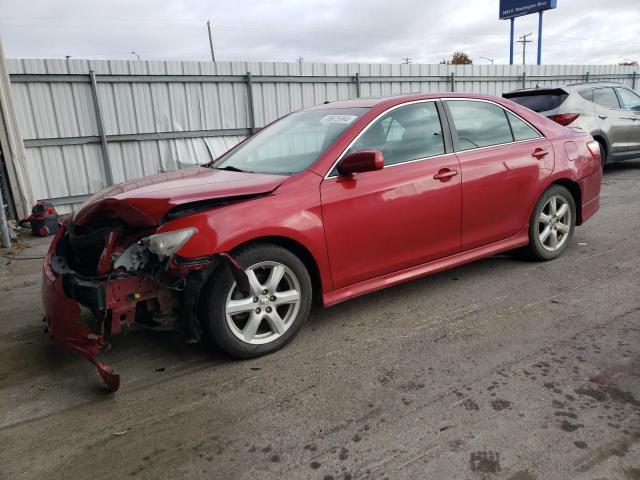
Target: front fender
x,y
293,213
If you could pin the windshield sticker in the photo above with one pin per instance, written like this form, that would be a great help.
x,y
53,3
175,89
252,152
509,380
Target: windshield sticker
x,y
328,119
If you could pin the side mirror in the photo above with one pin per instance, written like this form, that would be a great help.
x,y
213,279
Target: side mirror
x,y
361,161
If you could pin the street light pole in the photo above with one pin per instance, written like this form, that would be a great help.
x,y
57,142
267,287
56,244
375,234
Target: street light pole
x,y
487,58
134,53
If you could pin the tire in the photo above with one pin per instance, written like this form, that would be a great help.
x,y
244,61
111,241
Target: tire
x,y
263,322
542,245
603,152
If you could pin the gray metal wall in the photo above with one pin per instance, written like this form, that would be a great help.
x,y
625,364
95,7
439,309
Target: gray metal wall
x,y
159,116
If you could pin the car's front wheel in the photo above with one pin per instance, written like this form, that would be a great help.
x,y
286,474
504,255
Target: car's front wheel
x,y
270,315
552,223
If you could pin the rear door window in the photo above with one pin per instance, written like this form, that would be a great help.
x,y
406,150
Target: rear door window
x,y
479,124
605,97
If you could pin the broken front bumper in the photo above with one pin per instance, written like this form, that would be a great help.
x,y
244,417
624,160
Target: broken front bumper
x,y
63,293
61,316
113,298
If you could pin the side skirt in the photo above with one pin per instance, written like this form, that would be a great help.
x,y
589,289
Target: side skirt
x,y
519,240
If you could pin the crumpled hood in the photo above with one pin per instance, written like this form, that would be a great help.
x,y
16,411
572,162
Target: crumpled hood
x,y
143,202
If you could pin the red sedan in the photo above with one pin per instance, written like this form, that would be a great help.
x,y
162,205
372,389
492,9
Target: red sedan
x,y
326,203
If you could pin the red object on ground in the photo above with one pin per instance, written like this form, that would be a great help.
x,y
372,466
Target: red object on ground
x,y
44,219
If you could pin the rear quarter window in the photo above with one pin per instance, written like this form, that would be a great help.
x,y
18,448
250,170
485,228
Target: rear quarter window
x,y
521,130
587,94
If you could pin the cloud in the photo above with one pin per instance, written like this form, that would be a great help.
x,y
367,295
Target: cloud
x,y
578,31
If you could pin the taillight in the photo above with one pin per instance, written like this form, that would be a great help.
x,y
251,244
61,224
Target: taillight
x,y
564,118
594,148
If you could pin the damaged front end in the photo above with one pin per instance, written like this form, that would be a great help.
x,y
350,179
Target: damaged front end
x,y
117,257
129,278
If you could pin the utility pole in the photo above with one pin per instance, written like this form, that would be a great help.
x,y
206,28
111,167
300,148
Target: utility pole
x,y
407,60
523,40
213,56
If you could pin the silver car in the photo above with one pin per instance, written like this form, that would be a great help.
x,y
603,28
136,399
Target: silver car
x,y
610,112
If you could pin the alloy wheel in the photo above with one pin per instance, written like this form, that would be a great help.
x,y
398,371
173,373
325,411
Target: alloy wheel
x,y
270,308
554,223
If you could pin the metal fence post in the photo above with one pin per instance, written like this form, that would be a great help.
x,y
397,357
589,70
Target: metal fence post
x,y
453,81
4,186
357,84
101,133
587,78
524,79
250,112
4,226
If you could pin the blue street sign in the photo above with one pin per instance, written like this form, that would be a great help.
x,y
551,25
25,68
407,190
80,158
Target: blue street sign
x,y
517,8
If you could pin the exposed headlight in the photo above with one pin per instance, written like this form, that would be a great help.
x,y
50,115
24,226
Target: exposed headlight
x,y
168,243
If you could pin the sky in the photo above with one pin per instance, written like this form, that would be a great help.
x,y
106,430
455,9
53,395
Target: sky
x,y
336,31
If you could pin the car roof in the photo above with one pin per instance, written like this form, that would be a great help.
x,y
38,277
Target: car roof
x,y
371,102
595,84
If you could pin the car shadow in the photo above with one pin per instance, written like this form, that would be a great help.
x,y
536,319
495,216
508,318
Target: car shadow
x,y
463,274
622,166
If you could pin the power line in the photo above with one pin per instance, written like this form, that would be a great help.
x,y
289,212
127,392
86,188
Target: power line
x,y
187,22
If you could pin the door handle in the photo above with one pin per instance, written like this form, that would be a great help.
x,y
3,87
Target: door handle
x,y
603,117
445,174
539,153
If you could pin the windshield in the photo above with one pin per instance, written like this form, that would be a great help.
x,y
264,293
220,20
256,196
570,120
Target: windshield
x,y
291,144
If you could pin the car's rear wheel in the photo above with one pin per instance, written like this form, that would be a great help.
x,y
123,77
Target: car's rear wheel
x,y
270,315
552,223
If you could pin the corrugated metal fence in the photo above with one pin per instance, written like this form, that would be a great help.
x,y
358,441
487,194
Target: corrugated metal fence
x,y
87,124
